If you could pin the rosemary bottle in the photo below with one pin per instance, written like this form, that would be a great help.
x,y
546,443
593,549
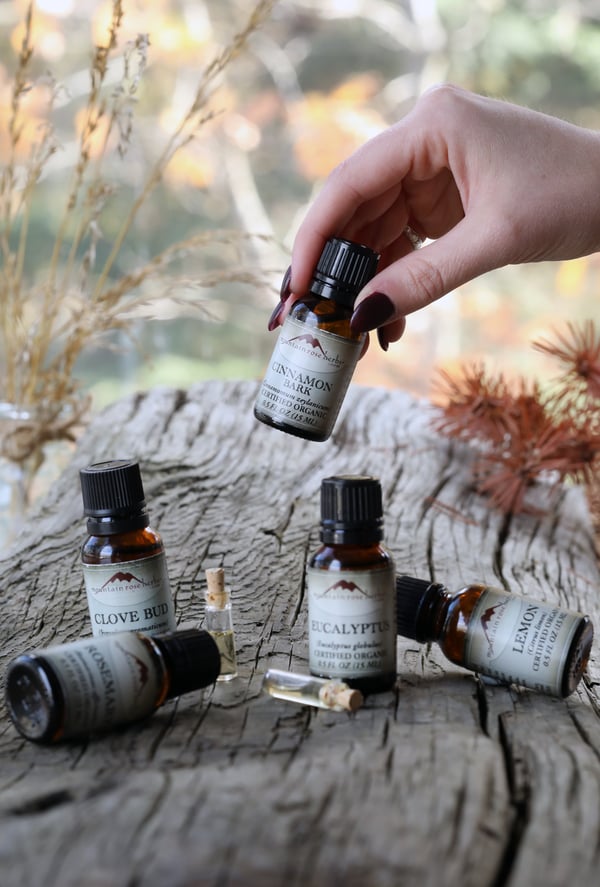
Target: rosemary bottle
x,y
351,589
123,558
72,690
219,622
511,638
316,353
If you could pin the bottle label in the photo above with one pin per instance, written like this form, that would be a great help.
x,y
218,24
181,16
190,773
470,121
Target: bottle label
x,y
104,683
307,377
351,622
130,596
520,641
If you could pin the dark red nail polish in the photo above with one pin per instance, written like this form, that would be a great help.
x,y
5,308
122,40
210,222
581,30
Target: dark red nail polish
x,y
372,312
383,339
275,316
285,290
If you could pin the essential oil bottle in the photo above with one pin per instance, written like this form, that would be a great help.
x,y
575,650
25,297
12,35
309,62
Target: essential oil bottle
x,y
72,690
316,353
351,589
505,636
219,621
306,689
123,558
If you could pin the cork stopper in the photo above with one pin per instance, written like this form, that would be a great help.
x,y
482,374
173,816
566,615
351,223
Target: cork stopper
x,y
340,697
216,595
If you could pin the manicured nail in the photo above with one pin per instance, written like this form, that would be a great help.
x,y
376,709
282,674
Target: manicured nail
x,y
372,312
383,339
285,290
273,319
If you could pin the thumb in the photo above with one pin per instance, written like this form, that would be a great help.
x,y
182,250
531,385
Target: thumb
x,y
427,274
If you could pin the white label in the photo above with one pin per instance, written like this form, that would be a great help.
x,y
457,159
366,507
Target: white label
x,y
519,641
351,622
105,682
130,596
307,377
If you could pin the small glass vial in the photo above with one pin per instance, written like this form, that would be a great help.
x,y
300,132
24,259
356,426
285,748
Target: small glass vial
x,y
219,622
91,685
316,353
123,558
351,589
502,635
308,690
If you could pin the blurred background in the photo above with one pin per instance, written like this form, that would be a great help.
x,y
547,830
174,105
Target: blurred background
x,y
317,80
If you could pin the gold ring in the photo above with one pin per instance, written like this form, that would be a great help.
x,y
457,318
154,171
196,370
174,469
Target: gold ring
x,y
415,240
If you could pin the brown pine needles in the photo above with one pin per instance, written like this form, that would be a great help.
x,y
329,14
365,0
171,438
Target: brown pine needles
x,y
46,323
525,435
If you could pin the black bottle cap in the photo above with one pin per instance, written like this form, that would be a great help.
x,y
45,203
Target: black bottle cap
x,y
411,597
113,490
351,510
342,270
192,658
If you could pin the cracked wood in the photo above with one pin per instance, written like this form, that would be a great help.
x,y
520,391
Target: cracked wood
x,y
445,781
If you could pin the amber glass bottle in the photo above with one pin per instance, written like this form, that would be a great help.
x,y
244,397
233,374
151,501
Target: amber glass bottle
x,y
94,684
505,636
317,352
351,589
123,558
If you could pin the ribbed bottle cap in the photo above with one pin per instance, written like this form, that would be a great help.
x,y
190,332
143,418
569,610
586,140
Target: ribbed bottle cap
x,y
410,596
192,657
342,270
351,509
111,488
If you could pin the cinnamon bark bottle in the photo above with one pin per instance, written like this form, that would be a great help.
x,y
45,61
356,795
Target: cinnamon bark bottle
x,y
316,353
351,589
505,636
123,558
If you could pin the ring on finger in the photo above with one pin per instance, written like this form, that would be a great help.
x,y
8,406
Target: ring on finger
x,y
415,239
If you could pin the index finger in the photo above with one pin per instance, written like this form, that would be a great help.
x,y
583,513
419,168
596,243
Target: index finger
x,y
376,167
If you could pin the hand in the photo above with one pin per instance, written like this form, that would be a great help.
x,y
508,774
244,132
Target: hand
x,y
488,182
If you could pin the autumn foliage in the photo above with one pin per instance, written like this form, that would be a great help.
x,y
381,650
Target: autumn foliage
x,y
526,435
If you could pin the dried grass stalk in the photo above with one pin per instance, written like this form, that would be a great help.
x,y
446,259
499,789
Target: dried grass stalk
x,y
46,326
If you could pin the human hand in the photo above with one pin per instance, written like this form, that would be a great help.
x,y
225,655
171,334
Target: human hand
x,y
487,182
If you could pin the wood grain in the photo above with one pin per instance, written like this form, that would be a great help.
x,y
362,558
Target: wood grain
x,y
445,781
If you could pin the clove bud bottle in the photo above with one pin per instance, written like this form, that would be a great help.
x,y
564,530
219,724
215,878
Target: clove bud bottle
x,y
72,690
499,634
351,589
123,558
317,352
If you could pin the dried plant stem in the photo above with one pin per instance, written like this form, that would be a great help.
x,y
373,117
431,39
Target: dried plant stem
x,y
185,129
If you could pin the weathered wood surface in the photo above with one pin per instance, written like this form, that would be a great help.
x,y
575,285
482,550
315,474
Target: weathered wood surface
x,y
446,781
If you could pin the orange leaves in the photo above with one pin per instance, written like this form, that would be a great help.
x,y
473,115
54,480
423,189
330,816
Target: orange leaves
x,y
329,126
522,433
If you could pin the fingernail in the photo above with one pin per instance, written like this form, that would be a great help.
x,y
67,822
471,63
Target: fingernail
x,y
285,290
372,312
273,319
383,339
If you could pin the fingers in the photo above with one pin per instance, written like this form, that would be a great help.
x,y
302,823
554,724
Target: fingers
x,y
423,276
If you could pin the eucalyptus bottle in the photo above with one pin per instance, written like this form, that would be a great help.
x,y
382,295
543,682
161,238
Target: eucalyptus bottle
x,y
351,589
